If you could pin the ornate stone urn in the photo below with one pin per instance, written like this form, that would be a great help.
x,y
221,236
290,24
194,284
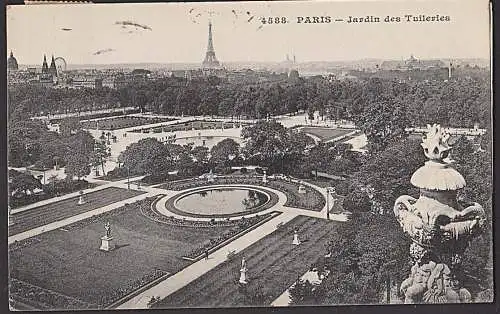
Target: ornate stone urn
x,y
439,226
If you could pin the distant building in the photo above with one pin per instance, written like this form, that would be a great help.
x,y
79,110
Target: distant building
x,y
45,67
12,63
412,64
46,78
293,75
85,82
52,69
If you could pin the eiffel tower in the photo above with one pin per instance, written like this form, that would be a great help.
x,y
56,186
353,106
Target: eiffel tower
x,y
210,58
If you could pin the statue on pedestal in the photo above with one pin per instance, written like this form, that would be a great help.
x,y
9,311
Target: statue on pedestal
x,y
106,240
439,226
296,240
302,189
210,176
243,272
81,200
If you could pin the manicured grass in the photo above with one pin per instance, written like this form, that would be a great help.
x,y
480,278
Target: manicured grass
x,y
195,124
326,134
273,266
311,200
46,214
122,122
100,115
321,182
70,262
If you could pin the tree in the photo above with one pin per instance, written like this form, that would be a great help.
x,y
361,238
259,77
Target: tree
x,y
271,145
317,158
69,125
77,165
185,165
224,151
383,122
101,152
148,156
389,172
79,157
23,183
200,153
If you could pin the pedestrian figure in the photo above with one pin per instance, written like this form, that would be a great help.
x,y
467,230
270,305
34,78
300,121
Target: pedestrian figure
x,y
327,214
206,254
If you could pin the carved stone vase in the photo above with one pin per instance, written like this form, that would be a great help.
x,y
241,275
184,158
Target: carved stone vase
x,y
439,226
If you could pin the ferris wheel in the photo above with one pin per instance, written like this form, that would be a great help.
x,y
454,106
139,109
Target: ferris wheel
x,y
60,65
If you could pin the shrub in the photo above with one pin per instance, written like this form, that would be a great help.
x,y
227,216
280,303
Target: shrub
x,y
341,187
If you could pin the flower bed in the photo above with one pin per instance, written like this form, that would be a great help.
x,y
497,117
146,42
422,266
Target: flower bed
x,y
122,122
243,226
196,182
130,287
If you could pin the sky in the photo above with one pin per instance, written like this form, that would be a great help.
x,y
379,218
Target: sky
x,y
178,32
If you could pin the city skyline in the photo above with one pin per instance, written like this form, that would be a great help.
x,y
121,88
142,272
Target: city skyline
x,y
143,33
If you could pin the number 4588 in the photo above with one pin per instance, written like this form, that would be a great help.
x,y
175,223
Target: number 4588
x,y
274,20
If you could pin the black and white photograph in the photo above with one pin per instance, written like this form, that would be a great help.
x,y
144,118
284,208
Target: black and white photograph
x,y
249,154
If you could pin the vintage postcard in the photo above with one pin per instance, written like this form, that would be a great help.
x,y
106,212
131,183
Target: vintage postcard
x,y
235,154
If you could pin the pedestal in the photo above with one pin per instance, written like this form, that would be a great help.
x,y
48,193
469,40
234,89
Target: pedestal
x,y
302,189
81,201
106,244
243,276
296,240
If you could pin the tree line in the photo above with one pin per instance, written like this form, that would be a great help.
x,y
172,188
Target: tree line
x,y
459,102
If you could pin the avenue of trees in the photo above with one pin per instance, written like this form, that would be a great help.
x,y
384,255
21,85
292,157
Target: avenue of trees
x,y
368,102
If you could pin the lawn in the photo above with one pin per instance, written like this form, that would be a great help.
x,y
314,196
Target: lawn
x,y
122,122
118,112
46,214
273,266
68,263
311,200
326,134
321,182
195,124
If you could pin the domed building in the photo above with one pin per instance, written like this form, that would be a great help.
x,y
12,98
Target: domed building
x,y
12,63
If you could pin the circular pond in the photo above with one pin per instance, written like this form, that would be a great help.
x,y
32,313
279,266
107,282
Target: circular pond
x,y
225,201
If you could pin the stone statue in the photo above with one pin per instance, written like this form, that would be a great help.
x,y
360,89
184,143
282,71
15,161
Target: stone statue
x,y
107,227
439,225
